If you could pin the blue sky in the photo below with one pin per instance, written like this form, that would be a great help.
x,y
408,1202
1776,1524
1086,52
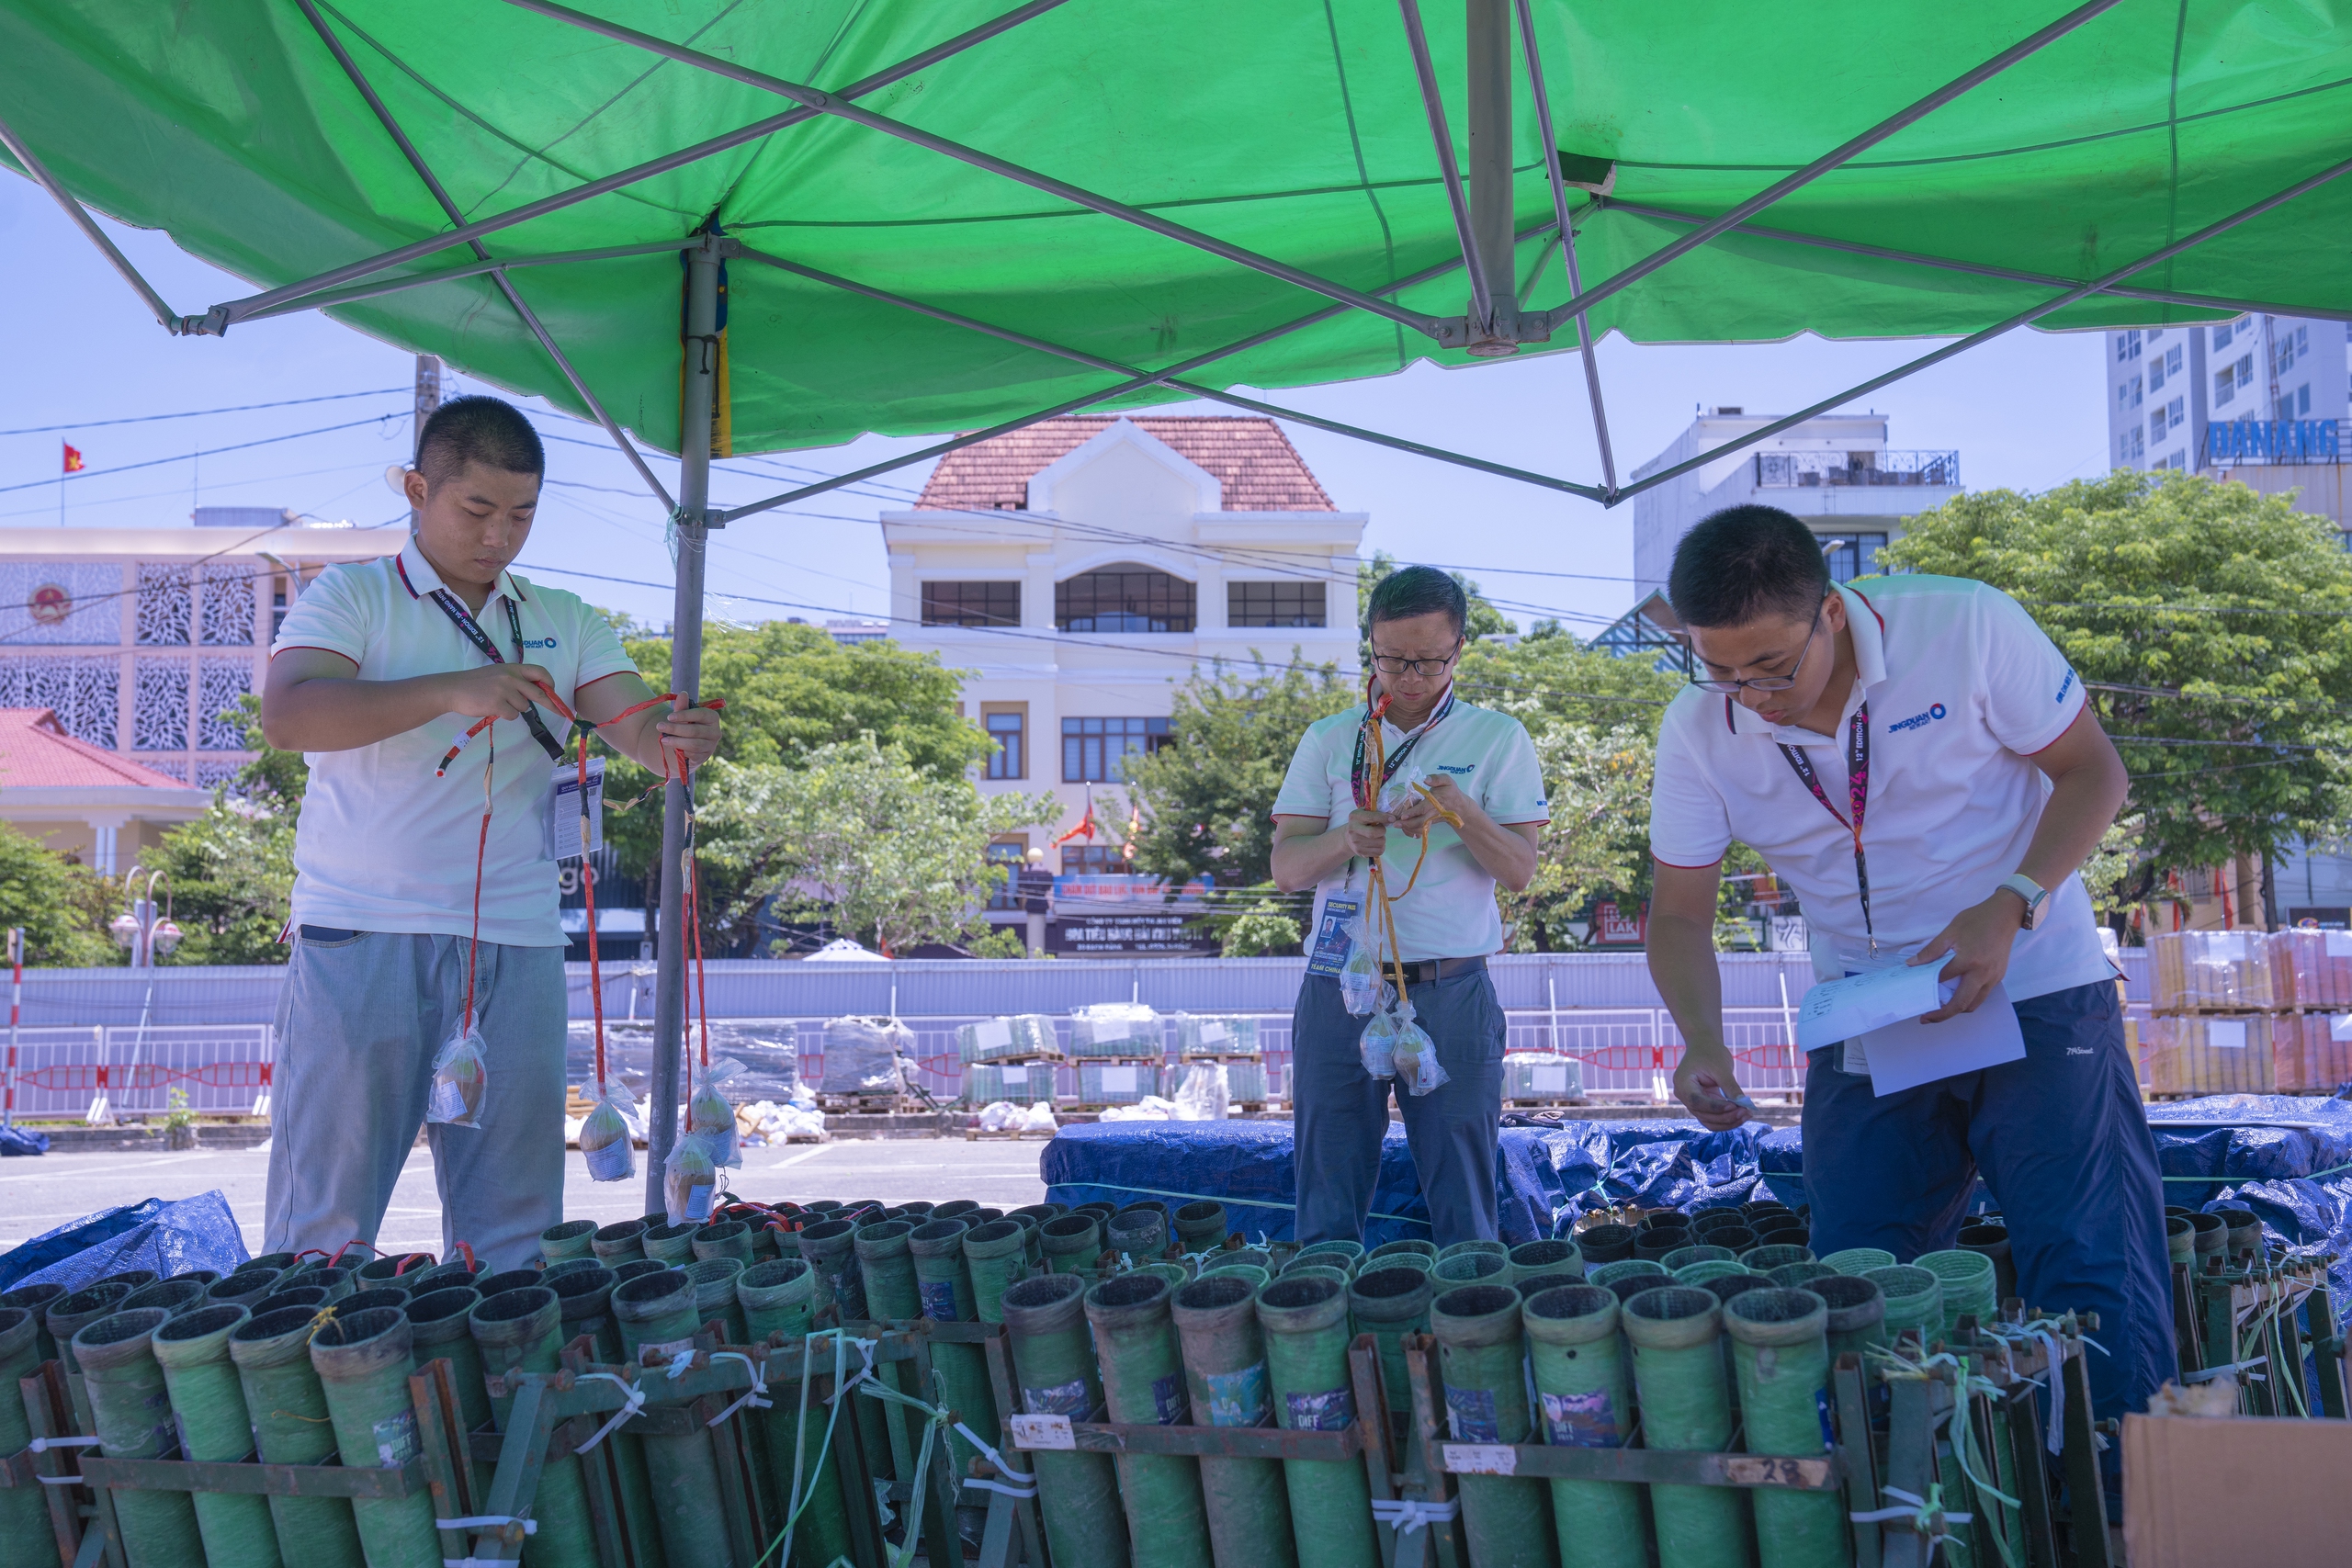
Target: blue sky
x,y
2026,411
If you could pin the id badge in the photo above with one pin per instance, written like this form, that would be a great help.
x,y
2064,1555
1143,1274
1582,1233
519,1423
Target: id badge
x,y
1332,945
560,811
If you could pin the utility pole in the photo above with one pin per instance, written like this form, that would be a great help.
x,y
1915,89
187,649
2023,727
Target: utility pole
x,y
690,528
428,398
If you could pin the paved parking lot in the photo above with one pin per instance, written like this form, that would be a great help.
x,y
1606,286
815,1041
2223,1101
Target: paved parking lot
x,y
39,1194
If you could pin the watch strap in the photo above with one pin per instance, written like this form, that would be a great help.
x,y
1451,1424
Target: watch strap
x,y
2033,892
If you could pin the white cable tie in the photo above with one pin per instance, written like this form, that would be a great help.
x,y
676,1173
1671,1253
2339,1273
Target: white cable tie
x,y
865,1349
997,1459
756,1396
488,1521
42,1445
680,1366
1028,1491
2210,1373
59,1480
634,1402
2055,1438
1406,1515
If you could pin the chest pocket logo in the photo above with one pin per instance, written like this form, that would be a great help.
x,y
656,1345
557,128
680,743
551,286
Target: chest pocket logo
x,y
1464,770
538,642
1917,721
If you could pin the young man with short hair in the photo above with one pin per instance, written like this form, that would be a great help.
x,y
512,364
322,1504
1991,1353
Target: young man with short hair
x,y
380,667
1918,761
1480,765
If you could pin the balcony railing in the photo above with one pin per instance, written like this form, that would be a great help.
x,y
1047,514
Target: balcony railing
x,y
2276,441
1790,470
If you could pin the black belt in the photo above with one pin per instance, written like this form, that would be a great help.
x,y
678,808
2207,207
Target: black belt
x,y
1428,971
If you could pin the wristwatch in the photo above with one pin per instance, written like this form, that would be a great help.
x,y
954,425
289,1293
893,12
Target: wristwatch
x,y
2033,892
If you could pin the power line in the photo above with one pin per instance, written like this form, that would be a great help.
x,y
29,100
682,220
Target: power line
x,y
199,413
209,451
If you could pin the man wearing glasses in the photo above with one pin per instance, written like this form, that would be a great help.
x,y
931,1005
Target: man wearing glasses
x,y
1329,823
1918,762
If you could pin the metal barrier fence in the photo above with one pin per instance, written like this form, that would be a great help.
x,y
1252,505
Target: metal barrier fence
x,y
222,1069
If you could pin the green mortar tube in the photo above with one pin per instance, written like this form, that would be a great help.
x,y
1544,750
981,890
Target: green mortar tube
x,y
1256,1273
396,1272
1584,1384
714,1300
1552,1256
505,1279
2212,1238
1178,1275
1801,1275
1605,1244
614,1245
364,1362
68,1316
1143,1382
722,1238
1860,1260
1915,1299
443,1277
945,1283
1351,1250
674,1244
1200,1225
25,1535
1968,1280
1681,1257
1419,1262
1780,1349
1484,1354
585,1296
361,1301
1469,1267
1678,1378
571,1239
1140,1232
133,1412
171,1296
215,1426
1699,1273
1857,1313
440,1328
1774,1255
1225,1374
337,1282
831,1247
243,1289
36,1300
1070,1243
1626,1268
562,1266
1993,1241
657,1313
2180,1240
522,1331
1416,1247
1389,1300
1306,1326
291,1426
1497,1249
891,1291
996,1259
777,1297
1053,1361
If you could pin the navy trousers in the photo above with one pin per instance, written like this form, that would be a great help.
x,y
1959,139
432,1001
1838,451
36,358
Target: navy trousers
x,y
1341,1111
2062,1139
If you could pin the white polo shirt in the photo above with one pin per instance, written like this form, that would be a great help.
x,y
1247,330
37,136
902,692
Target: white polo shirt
x,y
383,845
1451,912
1962,688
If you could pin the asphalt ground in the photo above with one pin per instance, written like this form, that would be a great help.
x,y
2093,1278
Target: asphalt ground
x,y
39,1194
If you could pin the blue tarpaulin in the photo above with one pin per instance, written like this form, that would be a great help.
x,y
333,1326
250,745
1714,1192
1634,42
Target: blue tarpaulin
x,y
168,1238
2289,1159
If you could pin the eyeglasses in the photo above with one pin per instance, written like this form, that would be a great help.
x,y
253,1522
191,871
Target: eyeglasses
x,y
1769,682
1389,665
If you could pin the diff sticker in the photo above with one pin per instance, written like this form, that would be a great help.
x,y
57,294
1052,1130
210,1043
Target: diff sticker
x,y
1061,1399
1329,1412
395,1437
1168,1400
939,1300
1473,1410
1238,1399
1580,1420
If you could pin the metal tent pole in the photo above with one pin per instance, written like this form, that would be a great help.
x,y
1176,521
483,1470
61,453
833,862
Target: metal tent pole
x,y
691,528
1488,44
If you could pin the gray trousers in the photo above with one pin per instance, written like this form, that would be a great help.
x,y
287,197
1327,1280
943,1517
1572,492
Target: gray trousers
x,y
1341,1111
358,1024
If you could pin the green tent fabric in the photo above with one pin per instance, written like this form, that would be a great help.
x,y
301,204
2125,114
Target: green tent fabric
x,y
1295,130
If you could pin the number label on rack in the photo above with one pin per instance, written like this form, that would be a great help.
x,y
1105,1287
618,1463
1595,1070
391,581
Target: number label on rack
x,y
1482,1458
1043,1432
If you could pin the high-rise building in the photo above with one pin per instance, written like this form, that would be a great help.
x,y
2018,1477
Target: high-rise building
x,y
2260,398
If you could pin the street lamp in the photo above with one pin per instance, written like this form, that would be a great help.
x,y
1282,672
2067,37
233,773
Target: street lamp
x,y
140,929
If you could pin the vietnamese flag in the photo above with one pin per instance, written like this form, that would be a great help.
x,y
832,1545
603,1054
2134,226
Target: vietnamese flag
x,y
73,463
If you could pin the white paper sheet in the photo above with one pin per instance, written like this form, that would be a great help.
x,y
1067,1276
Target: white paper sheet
x,y
2340,1026
993,1034
1909,1053
2225,1033
1840,1009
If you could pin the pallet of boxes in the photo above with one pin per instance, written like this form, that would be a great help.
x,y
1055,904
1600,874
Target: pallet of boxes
x,y
2250,1012
1008,1070
1219,1067
1536,1080
1119,1050
866,1069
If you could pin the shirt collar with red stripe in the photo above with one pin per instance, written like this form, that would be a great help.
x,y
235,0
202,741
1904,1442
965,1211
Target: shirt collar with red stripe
x,y
417,575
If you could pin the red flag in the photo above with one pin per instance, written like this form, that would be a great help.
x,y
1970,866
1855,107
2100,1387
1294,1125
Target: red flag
x,y
73,463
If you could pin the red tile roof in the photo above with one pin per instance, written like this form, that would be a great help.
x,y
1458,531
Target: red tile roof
x,y
1254,462
37,754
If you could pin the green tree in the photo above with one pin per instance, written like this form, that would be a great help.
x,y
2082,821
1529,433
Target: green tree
x,y
2213,627
1206,796
63,906
856,834
230,873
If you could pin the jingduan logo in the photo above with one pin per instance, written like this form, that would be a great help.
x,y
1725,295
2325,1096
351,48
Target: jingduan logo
x,y
1917,721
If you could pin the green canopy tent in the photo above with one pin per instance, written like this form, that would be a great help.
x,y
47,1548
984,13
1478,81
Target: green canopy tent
x,y
951,217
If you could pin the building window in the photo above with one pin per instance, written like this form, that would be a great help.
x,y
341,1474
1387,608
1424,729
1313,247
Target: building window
x,y
1274,604
2171,362
1093,860
2176,413
2304,400
1095,751
971,604
2225,386
1009,731
2131,445
1011,855
2127,347
2155,427
1851,555
2155,371
1125,599
2222,334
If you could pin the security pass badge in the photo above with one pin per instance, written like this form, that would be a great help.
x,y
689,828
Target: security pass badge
x,y
560,811
1335,935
